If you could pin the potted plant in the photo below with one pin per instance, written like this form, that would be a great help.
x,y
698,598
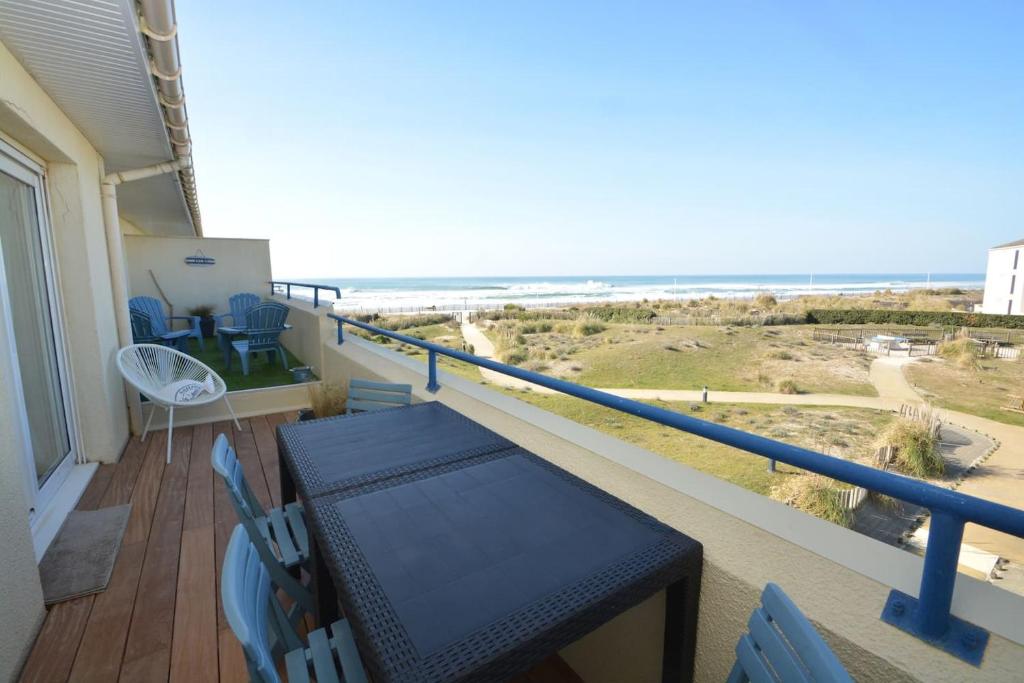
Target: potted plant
x,y
206,322
326,399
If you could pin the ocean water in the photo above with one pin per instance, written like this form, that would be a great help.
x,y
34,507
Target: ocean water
x,y
371,294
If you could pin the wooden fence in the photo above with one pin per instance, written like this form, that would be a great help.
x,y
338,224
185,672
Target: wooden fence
x,y
851,499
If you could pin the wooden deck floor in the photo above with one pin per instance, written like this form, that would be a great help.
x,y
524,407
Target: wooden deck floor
x,y
160,617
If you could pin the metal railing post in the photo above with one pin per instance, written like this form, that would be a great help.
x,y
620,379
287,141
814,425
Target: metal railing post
x,y
341,339
432,385
288,291
941,557
316,297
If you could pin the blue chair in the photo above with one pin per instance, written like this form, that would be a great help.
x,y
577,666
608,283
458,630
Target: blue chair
x,y
364,395
264,324
161,324
238,305
280,537
782,645
142,333
261,625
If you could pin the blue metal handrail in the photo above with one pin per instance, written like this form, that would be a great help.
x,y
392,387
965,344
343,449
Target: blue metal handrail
x,y
316,289
928,616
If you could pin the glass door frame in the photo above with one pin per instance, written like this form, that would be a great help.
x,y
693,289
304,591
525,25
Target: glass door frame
x,y
25,170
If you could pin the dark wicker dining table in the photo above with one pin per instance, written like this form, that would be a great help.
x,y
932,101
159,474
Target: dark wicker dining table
x,y
456,555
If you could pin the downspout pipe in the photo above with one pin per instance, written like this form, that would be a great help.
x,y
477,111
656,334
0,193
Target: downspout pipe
x,y
115,254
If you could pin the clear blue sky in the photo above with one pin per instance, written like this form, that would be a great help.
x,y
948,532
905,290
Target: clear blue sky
x,y
560,138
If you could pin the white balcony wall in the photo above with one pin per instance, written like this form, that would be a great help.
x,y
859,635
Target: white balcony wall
x,y
31,122
242,265
840,579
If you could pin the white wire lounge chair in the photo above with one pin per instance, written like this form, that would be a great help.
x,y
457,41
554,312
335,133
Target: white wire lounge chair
x,y
170,379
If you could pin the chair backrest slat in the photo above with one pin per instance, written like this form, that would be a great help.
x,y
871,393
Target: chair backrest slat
x,y
252,516
239,304
142,328
364,395
784,661
246,594
154,309
264,324
784,646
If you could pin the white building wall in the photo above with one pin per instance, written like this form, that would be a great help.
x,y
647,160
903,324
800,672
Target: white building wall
x,y
1004,281
31,122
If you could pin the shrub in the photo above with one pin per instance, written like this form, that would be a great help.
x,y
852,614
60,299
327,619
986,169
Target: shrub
x,y
781,355
621,314
962,351
819,497
327,399
515,356
917,448
788,386
586,327
404,322
888,316
765,300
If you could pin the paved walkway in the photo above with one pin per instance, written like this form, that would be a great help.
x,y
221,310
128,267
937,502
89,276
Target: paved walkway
x,y
1000,478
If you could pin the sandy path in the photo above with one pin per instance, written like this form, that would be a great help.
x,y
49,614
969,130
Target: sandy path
x,y
1000,478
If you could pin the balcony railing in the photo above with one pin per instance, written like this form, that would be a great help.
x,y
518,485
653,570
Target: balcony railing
x,y
927,616
287,286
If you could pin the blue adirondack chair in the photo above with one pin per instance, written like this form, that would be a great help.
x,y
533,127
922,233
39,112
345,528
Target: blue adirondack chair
x,y
142,332
279,536
262,626
264,324
161,323
364,395
238,305
783,646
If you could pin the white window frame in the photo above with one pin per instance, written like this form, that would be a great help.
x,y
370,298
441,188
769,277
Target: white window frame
x,y
24,169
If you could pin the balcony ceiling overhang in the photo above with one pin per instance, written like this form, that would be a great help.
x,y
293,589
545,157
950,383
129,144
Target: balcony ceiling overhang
x,y
91,59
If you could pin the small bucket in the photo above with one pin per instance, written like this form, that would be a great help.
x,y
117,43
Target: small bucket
x,y
301,374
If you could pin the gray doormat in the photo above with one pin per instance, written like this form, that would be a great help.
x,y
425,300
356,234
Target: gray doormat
x,y
81,558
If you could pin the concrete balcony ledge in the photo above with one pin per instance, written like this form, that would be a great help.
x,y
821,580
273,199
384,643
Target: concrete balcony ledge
x,y
839,578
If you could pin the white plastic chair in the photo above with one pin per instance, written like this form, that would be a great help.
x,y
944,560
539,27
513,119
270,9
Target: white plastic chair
x,y
168,378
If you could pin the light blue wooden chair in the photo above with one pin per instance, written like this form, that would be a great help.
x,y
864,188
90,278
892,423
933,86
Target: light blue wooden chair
x,y
162,323
238,305
364,395
142,333
264,324
280,536
782,645
261,625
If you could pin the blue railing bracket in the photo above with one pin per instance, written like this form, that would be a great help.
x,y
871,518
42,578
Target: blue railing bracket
x,y
274,284
960,638
927,617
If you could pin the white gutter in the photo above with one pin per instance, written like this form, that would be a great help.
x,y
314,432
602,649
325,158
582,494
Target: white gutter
x,y
115,254
157,23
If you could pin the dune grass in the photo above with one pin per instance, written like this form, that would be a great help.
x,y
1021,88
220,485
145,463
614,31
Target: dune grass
x,y
917,448
844,432
980,390
724,359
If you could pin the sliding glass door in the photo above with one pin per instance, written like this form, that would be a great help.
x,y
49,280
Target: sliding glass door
x,y
30,321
